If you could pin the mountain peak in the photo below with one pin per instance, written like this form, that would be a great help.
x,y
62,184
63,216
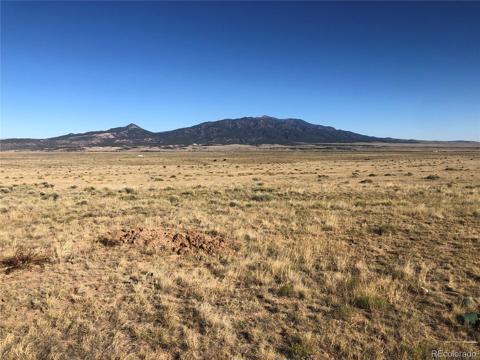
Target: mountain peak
x,y
132,126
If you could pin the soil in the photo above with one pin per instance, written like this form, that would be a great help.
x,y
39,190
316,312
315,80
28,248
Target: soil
x,y
190,241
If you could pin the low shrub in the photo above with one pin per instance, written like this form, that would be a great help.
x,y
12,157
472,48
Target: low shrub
x,y
23,258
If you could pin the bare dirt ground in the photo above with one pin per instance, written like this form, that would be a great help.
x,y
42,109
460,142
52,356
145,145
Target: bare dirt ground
x,y
239,255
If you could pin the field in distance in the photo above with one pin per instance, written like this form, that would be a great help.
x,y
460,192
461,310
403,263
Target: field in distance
x,y
239,255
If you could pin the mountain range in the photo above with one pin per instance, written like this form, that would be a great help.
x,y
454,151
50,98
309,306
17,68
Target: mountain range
x,y
246,130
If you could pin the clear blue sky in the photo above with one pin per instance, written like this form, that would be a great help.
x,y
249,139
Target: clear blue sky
x,y
407,70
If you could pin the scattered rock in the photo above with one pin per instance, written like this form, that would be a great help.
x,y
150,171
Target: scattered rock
x,y
36,304
79,290
424,290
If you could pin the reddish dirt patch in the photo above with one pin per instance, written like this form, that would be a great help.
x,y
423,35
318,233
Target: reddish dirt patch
x,y
165,239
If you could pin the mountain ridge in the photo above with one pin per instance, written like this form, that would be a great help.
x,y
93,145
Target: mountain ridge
x,y
246,130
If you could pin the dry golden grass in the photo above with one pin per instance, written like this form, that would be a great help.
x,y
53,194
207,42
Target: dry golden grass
x,y
330,255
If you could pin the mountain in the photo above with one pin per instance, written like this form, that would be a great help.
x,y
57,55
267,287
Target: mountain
x,y
260,130
131,135
246,130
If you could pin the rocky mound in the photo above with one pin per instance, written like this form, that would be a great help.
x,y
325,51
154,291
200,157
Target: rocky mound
x,y
165,239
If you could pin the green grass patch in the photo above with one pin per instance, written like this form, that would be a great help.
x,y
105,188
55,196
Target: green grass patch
x,y
371,302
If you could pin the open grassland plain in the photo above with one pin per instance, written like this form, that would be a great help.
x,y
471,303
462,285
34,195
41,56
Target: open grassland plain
x,y
246,255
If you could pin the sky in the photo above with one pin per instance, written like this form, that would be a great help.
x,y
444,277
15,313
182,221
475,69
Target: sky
x,y
404,70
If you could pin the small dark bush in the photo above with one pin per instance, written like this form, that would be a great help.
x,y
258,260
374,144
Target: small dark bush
x,y
173,199
384,229
262,197
53,196
22,259
263,189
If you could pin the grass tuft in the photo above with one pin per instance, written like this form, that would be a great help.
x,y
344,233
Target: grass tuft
x,y
384,229
301,350
262,197
286,290
371,302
